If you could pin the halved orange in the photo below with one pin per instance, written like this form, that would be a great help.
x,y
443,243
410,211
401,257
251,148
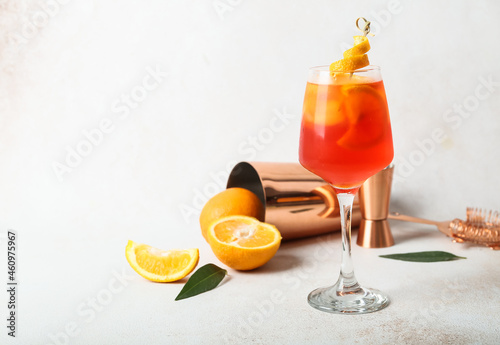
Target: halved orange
x,y
243,243
161,265
232,201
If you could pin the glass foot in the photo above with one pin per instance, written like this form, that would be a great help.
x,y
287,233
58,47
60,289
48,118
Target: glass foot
x,y
356,300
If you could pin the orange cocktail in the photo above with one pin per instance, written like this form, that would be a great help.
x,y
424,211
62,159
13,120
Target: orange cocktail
x,y
346,133
346,138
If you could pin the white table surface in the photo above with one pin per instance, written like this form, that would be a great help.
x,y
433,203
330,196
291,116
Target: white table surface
x,y
84,292
206,80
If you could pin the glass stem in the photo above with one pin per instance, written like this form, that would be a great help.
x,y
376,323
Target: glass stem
x,y
347,281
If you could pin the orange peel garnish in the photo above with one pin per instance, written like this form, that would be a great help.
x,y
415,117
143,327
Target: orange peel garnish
x,y
355,58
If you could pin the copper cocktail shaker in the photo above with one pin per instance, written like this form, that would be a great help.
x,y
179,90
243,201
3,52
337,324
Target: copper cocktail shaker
x,y
301,204
297,202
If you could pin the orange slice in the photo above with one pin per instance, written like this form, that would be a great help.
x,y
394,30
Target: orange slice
x,y
243,243
320,106
161,265
361,101
365,107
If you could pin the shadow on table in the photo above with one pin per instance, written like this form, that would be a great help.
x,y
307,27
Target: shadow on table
x,y
280,263
411,232
408,231
293,253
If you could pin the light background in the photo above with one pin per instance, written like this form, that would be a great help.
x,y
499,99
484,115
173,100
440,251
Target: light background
x,y
224,70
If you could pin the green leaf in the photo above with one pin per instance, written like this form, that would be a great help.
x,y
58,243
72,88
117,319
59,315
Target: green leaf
x,y
204,279
432,256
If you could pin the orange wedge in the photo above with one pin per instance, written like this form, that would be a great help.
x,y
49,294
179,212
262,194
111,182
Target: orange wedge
x,y
161,265
243,243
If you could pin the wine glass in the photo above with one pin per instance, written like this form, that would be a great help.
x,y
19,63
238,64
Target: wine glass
x,y
345,138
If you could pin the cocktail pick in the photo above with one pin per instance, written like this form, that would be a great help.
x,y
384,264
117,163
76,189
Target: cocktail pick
x,y
366,28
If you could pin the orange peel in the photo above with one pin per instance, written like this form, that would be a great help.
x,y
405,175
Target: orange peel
x,y
354,58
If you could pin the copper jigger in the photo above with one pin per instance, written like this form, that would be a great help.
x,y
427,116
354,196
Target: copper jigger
x,y
374,198
296,201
